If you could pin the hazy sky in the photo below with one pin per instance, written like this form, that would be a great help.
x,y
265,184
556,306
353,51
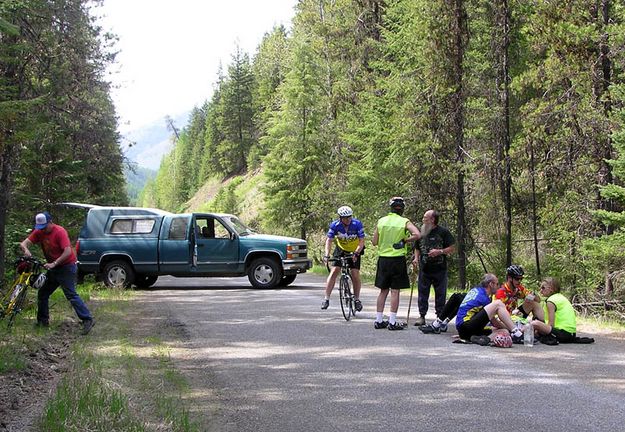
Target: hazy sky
x,y
171,50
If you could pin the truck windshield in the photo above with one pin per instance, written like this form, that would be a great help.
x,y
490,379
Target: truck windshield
x,y
239,226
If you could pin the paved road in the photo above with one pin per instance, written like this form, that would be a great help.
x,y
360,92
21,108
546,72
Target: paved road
x,y
271,360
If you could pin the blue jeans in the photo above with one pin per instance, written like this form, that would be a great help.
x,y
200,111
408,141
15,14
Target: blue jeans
x,y
439,280
64,276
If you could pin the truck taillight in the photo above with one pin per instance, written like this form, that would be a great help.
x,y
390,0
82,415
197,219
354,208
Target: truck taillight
x,y
77,248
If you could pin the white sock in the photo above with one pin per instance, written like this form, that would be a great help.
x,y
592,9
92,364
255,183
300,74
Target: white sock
x,y
446,321
379,316
392,317
327,297
436,323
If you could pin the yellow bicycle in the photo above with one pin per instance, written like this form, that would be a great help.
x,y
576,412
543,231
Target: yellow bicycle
x,y
29,273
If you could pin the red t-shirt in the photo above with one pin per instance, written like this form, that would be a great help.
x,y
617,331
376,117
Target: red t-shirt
x,y
53,244
507,295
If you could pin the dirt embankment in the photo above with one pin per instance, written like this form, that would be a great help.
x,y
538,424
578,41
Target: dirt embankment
x,y
23,393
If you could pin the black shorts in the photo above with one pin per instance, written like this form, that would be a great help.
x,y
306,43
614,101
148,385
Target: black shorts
x,y
340,252
392,273
474,327
563,336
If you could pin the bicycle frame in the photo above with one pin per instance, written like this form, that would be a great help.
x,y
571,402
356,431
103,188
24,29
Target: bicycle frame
x,y
12,301
345,285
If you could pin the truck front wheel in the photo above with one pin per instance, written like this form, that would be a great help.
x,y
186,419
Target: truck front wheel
x,y
145,281
118,274
287,280
264,273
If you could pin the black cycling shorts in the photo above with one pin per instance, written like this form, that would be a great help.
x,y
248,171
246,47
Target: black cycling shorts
x,y
563,336
474,326
392,273
340,252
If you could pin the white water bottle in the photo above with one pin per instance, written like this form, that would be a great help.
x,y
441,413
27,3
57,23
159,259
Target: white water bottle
x,y
528,334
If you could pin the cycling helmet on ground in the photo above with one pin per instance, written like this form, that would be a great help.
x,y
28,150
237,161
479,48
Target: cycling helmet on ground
x,y
345,211
502,340
515,271
40,281
397,202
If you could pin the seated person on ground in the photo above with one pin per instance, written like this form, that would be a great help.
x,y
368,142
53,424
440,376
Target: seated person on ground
x,y
477,310
512,291
561,322
449,312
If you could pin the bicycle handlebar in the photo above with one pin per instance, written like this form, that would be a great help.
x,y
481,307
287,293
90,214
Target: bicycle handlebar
x,y
28,259
341,259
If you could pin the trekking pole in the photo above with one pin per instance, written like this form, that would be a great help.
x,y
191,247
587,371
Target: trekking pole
x,y
413,282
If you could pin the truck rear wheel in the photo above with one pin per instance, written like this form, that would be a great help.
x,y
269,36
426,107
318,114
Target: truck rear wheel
x,y
118,274
264,273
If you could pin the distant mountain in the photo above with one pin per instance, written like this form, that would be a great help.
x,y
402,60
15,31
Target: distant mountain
x,y
136,178
147,145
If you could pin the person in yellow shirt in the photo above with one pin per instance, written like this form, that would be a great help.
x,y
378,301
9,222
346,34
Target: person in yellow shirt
x,y
390,235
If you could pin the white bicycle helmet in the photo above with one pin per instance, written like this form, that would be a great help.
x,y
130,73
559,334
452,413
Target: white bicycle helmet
x,y
345,211
40,281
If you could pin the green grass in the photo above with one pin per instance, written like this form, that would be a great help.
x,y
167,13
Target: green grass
x,y
112,385
84,400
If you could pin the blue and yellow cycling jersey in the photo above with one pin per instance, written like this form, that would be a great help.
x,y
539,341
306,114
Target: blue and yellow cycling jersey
x,y
473,302
346,237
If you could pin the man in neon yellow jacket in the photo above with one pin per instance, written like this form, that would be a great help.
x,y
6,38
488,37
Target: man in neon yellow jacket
x,y
390,235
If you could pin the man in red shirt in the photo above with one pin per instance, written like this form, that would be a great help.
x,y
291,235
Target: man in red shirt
x,y
513,290
61,266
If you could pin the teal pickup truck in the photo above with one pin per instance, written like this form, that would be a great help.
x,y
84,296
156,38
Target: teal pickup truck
x,y
128,245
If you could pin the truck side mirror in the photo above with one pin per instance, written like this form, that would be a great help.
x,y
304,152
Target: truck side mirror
x,y
233,236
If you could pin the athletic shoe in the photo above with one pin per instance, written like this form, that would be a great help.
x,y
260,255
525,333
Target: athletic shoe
x,y
549,339
420,321
480,340
517,339
380,325
396,326
443,327
325,304
87,325
358,305
429,329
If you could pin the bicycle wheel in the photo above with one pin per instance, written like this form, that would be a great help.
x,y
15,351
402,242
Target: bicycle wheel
x,y
347,299
16,302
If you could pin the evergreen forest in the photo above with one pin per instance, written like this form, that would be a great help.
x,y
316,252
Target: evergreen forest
x,y
58,128
506,116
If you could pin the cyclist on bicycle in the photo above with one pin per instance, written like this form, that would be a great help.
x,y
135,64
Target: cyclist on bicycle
x,y
349,236
61,266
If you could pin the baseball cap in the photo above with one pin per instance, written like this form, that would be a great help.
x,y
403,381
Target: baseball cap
x,y
41,220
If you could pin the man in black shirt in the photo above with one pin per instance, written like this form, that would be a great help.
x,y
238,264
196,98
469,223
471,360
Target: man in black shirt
x,y
431,256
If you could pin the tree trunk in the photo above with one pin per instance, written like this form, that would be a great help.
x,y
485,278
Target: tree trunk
x,y
459,26
5,193
503,148
534,211
603,77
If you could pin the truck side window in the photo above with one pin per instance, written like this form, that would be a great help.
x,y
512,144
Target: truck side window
x,y
132,226
221,231
178,228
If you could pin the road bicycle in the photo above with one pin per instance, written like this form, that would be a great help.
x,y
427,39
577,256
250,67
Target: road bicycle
x,y
346,293
28,272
